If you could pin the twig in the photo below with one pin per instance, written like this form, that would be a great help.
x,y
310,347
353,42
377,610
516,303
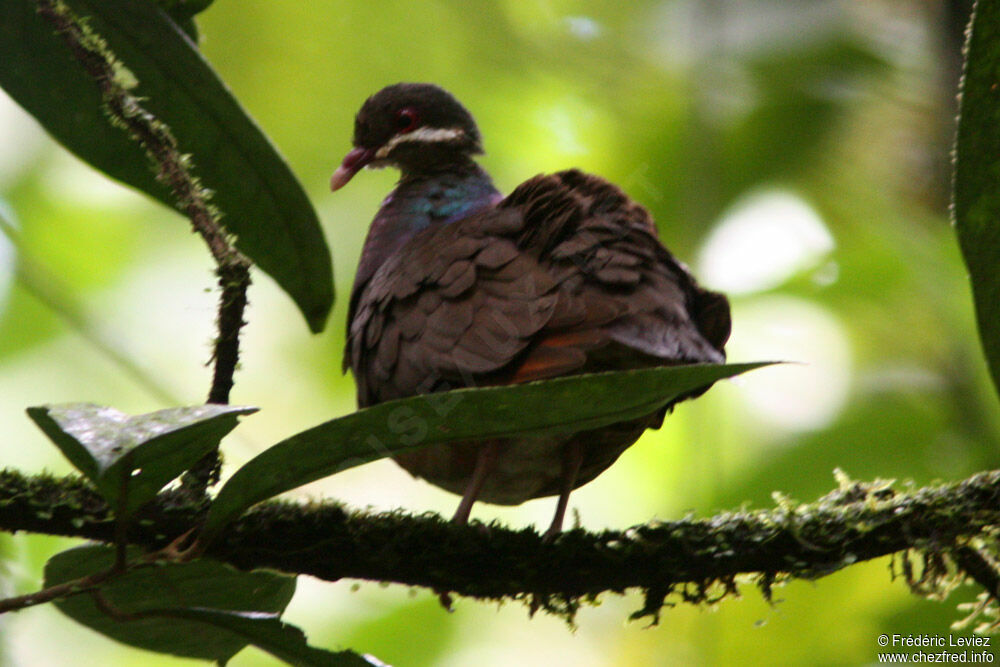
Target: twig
x,y
173,169
90,583
233,280
51,593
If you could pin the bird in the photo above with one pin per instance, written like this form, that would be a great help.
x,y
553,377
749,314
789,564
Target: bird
x,y
460,286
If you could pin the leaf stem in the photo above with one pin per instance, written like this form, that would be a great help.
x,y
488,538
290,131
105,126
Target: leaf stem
x,y
66,589
91,583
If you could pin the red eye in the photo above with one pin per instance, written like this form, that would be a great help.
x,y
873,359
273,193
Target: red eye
x,y
406,120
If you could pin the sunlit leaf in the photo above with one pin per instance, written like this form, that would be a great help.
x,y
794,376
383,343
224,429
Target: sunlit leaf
x,y
130,458
570,404
138,596
977,184
262,202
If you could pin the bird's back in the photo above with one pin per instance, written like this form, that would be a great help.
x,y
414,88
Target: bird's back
x,y
564,275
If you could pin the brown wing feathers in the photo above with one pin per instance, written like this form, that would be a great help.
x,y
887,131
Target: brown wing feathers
x,y
564,269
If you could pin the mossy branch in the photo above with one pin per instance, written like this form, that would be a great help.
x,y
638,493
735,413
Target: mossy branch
x,y
175,169
690,559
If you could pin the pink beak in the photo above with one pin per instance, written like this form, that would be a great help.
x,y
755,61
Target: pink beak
x,y
352,164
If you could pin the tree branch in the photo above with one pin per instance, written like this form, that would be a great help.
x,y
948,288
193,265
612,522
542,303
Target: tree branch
x,y
173,168
692,558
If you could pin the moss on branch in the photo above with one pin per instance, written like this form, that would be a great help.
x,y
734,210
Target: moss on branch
x,y
693,559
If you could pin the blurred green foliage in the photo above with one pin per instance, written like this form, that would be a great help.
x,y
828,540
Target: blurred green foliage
x,y
146,66
694,108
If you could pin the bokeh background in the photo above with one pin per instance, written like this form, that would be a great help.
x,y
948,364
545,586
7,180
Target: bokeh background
x,y
794,152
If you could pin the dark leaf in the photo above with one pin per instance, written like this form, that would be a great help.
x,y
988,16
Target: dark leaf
x,y
266,632
977,175
138,596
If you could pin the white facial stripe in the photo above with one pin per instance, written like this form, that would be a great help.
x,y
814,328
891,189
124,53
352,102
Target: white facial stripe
x,y
423,134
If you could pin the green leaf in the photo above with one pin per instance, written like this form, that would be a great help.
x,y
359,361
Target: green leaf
x,y
266,632
976,202
262,202
147,592
563,405
136,455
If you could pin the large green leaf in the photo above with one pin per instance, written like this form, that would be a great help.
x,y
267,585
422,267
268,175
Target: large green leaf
x,y
977,175
158,591
261,200
563,405
129,459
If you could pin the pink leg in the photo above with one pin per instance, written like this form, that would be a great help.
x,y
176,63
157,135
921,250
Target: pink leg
x,y
486,459
572,458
